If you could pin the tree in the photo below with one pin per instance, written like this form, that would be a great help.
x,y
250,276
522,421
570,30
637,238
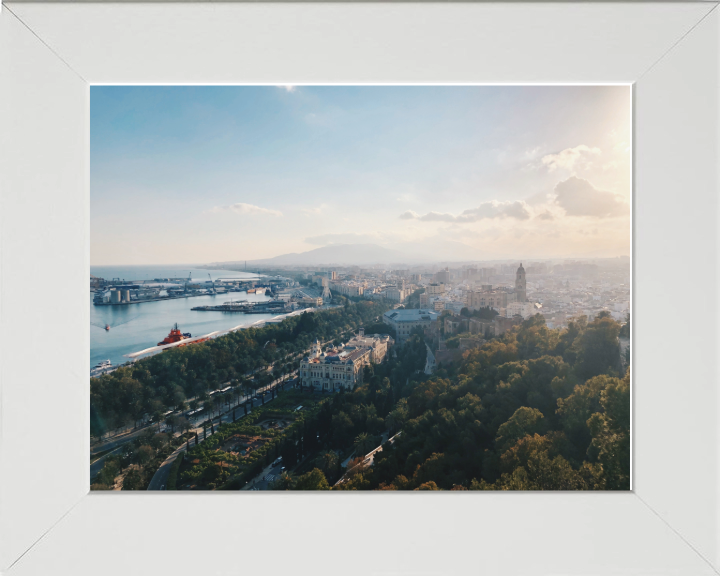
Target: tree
x,y
597,348
625,329
217,403
159,441
428,486
184,424
611,433
285,482
535,463
106,477
171,421
524,421
364,443
342,427
328,462
313,480
135,479
145,454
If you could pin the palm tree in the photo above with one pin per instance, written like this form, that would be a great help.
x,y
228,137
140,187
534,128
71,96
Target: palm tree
x,y
217,403
363,444
236,392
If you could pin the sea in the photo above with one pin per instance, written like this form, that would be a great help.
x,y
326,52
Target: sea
x,y
135,327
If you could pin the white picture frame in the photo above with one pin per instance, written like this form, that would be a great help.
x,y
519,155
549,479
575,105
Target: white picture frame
x,y
50,53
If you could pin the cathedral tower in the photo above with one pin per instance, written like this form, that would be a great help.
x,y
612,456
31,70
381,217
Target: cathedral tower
x,y
520,284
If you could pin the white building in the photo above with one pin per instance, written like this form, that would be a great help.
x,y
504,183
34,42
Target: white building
x,y
524,309
334,369
378,343
454,305
433,289
395,294
348,288
403,321
495,299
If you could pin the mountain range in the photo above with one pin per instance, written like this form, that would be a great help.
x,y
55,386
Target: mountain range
x,y
334,254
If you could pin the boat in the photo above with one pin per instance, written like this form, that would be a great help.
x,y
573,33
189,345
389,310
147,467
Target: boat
x,y
177,336
102,367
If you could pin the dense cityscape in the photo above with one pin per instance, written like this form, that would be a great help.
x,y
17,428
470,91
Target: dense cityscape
x,y
264,420
392,287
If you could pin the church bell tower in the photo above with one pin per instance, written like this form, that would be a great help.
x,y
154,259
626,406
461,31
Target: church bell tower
x,y
520,284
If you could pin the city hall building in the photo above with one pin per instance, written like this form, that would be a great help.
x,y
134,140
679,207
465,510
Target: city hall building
x,y
343,368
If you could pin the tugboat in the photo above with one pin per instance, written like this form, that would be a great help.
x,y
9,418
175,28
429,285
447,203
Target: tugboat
x,y
177,336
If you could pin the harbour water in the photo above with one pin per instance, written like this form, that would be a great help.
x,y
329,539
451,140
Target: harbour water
x,y
150,322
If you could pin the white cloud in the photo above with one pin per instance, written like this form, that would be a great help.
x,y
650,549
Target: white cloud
x,y
622,147
246,209
531,153
611,165
317,210
288,87
546,215
494,209
580,198
569,157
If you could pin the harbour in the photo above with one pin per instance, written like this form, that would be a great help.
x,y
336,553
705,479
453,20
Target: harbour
x,y
143,325
248,307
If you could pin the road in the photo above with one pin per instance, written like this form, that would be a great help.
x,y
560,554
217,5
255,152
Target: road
x,y
118,440
96,466
369,459
262,481
161,475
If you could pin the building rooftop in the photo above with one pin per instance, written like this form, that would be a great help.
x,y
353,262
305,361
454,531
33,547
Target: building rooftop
x,y
411,315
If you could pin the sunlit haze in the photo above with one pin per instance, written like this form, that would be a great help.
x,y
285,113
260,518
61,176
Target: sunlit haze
x,y
443,173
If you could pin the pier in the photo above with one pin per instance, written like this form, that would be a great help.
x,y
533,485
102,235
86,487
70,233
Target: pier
x,y
246,307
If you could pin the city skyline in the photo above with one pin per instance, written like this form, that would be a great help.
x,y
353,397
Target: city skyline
x,y
436,173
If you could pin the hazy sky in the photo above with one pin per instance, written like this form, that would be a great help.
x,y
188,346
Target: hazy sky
x,y
209,174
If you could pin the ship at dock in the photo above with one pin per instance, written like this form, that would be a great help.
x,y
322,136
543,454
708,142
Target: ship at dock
x,y
177,336
246,307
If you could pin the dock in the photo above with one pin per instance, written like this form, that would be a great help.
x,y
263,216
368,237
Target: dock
x,y
245,307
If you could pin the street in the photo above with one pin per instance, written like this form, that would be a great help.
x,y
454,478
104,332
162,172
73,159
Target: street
x,y
262,481
160,477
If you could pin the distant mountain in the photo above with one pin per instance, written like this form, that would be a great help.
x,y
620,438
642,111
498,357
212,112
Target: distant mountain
x,y
337,254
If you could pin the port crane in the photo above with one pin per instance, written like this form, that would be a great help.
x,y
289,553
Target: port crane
x,y
107,327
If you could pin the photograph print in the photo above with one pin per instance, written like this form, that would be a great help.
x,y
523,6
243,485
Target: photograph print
x,y
411,287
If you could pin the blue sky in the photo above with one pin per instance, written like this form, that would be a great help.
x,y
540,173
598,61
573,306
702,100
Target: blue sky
x,y
208,174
